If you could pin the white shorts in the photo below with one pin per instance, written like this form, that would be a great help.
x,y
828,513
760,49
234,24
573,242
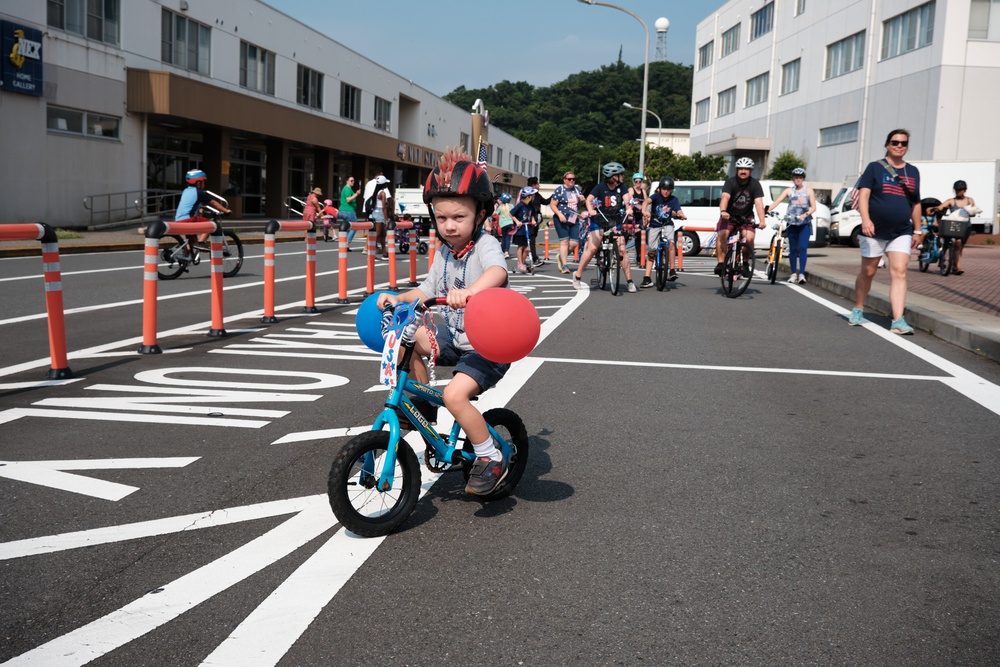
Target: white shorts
x,y
653,235
872,247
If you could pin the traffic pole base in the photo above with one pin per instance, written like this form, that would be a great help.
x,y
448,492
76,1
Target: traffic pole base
x,y
310,309
217,333
412,284
59,374
150,349
269,320
342,301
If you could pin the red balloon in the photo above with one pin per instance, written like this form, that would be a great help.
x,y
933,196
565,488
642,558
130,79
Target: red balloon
x,y
502,324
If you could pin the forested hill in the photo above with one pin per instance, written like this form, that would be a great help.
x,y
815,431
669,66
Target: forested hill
x,y
585,110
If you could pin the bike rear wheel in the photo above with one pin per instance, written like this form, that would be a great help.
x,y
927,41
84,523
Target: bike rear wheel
x,y
508,426
615,271
168,253
945,260
355,498
232,254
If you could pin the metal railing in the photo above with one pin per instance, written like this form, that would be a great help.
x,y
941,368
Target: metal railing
x,y
117,209
290,203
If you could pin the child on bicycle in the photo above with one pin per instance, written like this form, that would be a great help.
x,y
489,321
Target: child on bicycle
x,y
192,199
328,215
460,198
659,212
524,217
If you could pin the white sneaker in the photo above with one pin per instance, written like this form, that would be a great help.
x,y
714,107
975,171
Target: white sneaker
x,y
793,279
802,279
576,282
631,286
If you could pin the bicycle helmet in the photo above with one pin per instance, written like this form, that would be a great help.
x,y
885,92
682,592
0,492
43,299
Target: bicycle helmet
x,y
456,175
612,169
666,183
505,198
637,176
195,175
798,171
328,202
527,191
744,163
960,185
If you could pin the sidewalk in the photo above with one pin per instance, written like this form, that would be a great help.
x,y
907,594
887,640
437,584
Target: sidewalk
x,y
962,310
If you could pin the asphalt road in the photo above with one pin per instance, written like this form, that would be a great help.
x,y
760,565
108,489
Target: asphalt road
x,y
710,482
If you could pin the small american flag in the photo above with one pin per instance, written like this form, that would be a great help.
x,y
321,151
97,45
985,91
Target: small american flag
x,y
482,155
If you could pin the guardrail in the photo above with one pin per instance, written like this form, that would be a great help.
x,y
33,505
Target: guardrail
x,y
114,208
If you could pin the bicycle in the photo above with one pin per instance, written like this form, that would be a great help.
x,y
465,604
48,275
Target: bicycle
x,y
774,253
374,483
179,255
738,268
609,260
937,249
660,267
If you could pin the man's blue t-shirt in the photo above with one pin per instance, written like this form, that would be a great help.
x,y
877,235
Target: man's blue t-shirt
x,y
191,200
661,208
888,206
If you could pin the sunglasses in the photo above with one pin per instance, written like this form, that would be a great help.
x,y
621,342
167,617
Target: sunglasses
x,y
570,178
904,144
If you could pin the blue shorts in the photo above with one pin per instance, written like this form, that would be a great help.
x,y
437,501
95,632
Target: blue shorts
x,y
486,373
566,230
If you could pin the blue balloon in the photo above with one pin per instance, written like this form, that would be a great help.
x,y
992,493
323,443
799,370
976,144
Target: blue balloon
x,y
368,322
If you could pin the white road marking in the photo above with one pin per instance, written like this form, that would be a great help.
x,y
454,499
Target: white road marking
x,y
52,474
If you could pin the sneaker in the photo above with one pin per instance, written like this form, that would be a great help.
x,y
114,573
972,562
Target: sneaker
x,y
672,275
521,268
576,282
646,282
538,262
802,279
856,315
746,271
793,279
559,263
718,269
182,256
901,327
485,476
631,286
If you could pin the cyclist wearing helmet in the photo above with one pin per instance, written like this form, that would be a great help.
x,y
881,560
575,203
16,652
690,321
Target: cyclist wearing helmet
x,y
192,199
611,197
660,210
460,198
638,195
741,196
798,218
959,201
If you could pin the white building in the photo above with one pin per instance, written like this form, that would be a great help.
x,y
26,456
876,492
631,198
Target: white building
x,y
829,80
105,102
676,139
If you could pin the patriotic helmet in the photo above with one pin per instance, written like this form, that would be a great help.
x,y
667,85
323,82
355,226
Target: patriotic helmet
x,y
457,176
612,169
194,176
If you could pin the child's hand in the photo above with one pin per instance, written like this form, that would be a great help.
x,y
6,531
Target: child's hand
x,y
383,299
457,298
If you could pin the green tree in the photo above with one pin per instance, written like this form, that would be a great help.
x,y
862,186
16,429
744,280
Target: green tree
x,y
781,167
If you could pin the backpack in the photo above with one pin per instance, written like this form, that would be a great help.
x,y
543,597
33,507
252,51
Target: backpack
x,y
369,204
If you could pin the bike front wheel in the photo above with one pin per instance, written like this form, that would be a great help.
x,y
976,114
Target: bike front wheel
x,y
169,254
661,269
508,426
738,271
615,271
945,260
772,263
602,269
357,501
232,254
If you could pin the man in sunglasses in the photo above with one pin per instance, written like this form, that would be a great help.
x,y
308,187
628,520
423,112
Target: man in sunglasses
x,y
889,202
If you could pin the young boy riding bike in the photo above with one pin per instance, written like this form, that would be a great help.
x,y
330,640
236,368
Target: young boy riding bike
x,y
460,198
193,198
660,210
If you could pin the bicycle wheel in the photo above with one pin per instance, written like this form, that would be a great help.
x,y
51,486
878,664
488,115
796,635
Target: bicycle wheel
x,y
602,268
923,261
661,269
952,251
232,254
174,267
356,500
946,258
772,260
738,272
615,271
508,426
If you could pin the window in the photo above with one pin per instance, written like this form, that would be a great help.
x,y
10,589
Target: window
x,y
838,134
383,114
702,110
984,19
499,161
761,21
909,31
705,54
184,43
757,89
256,68
790,76
463,140
94,19
698,195
730,40
350,102
74,121
309,88
845,56
727,102
800,7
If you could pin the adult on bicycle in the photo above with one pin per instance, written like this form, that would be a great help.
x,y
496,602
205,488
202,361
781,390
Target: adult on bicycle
x,y
638,195
611,196
960,200
741,196
192,199
798,216
660,210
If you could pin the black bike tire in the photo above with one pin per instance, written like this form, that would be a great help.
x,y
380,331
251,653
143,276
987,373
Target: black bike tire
x,y
406,486
944,261
737,283
517,436
773,258
661,270
231,265
727,273
174,268
615,271
602,269
952,251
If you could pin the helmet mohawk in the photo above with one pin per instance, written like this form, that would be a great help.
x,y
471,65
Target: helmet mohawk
x,y
446,165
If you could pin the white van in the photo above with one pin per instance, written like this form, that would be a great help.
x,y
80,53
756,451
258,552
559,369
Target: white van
x,y
700,201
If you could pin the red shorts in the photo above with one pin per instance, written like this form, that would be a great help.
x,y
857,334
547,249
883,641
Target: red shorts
x,y
730,226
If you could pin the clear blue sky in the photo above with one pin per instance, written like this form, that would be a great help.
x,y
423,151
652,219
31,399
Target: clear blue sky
x,y
442,44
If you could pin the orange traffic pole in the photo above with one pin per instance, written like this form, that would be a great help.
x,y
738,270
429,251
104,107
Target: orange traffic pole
x,y
431,247
390,240
547,241
680,252
370,278
414,242
310,306
342,262
269,317
218,328
150,286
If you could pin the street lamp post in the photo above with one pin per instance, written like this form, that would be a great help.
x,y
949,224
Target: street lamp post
x,y
600,155
645,78
659,137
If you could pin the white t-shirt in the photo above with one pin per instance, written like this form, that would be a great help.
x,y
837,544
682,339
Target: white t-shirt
x,y
370,190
